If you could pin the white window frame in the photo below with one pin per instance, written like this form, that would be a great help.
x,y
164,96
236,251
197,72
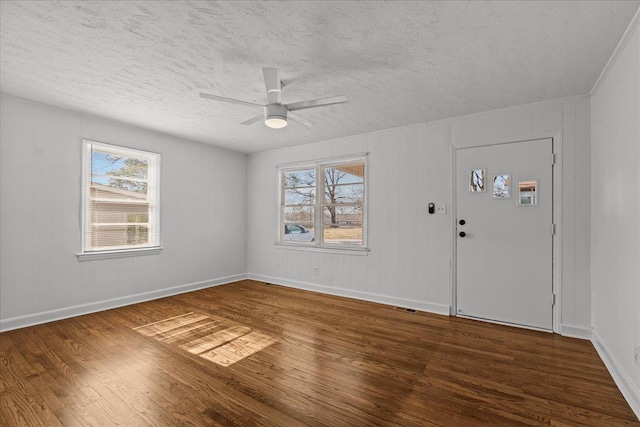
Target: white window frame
x,y
319,244
153,196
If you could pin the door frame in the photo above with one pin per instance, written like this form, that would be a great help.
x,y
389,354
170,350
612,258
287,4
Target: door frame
x,y
556,137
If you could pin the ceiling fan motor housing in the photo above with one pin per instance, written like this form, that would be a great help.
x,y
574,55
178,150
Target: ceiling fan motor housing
x,y
275,115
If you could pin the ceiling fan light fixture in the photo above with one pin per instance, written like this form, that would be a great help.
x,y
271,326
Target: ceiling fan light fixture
x,y
275,122
275,116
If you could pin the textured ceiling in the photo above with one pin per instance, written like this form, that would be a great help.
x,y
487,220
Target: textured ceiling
x,y
399,63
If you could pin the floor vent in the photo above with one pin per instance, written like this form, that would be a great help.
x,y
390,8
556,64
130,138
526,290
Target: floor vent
x,y
408,310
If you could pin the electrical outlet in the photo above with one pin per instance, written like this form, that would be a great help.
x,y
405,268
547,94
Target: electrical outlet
x,y
316,270
441,208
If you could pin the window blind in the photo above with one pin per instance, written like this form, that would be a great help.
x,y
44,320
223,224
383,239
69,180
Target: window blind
x,y
120,198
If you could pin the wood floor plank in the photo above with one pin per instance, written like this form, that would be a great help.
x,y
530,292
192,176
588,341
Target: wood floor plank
x,y
215,339
238,349
251,354
20,401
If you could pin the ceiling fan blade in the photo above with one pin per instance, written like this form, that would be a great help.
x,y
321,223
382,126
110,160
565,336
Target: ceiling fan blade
x,y
298,118
253,120
272,84
321,102
229,100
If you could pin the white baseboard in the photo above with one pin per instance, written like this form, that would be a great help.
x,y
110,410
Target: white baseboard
x,y
366,296
575,332
622,380
78,310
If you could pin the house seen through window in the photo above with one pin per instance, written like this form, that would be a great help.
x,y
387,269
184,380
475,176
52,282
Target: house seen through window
x,y
323,204
120,198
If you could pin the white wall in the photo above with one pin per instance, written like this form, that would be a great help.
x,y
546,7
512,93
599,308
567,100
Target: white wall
x,y
571,117
409,263
402,267
203,205
615,226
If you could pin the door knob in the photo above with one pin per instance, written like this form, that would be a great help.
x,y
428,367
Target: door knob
x,y
462,222
462,234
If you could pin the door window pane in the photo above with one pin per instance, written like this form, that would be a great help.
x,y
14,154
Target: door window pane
x,y
477,181
527,193
501,186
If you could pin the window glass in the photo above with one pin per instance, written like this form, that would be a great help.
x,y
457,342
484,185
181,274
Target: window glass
x,y
339,213
297,212
120,198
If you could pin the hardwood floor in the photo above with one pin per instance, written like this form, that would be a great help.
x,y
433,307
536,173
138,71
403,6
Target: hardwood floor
x,y
251,354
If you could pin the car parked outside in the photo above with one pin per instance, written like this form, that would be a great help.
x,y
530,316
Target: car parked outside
x,y
298,233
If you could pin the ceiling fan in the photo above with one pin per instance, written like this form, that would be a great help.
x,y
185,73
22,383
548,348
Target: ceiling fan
x,y
275,112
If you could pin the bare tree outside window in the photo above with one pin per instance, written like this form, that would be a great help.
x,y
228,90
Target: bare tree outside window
x,y
297,216
343,203
339,212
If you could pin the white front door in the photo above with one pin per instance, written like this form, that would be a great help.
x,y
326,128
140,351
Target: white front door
x,y
504,212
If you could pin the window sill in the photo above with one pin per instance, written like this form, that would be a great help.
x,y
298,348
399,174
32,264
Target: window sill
x,y
122,253
357,251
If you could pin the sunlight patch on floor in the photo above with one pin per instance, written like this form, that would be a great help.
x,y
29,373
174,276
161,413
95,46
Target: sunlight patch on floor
x,y
239,348
213,339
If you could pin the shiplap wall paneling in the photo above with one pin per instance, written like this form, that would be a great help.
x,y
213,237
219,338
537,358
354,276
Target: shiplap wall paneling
x,y
437,165
376,282
203,217
582,217
568,200
396,268
615,210
410,258
17,161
